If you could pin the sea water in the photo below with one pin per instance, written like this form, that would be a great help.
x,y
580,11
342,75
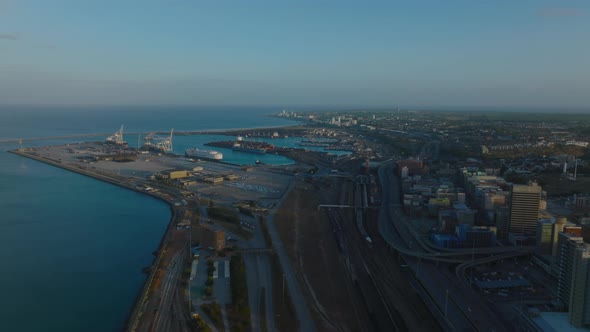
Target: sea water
x,y
72,248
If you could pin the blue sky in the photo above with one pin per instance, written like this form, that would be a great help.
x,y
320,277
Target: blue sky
x,y
515,54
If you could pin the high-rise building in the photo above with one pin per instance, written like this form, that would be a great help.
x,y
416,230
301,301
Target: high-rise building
x,y
545,231
559,225
567,244
579,306
502,218
573,287
547,234
524,209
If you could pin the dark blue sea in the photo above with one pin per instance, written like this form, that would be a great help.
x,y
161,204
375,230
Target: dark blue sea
x,y
71,247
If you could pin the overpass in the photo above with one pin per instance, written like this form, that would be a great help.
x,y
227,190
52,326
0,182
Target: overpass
x,y
255,250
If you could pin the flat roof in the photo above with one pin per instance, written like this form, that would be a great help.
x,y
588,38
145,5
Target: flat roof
x,y
503,283
556,322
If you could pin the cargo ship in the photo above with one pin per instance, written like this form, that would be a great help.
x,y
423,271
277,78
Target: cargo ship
x,y
240,148
203,154
244,146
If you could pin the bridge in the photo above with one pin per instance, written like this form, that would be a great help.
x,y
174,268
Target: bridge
x,y
354,206
20,140
255,250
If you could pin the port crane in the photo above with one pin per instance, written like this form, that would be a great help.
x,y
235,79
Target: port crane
x,y
159,143
116,138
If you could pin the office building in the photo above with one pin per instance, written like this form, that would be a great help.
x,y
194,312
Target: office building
x,y
524,209
579,305
471,236
573,287
583,202
560,223
567,244
502,220
548,230
545,232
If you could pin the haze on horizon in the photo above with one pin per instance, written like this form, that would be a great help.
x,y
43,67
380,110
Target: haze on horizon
x,y
518,54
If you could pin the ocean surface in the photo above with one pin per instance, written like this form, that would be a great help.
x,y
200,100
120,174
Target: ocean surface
x,y
72,248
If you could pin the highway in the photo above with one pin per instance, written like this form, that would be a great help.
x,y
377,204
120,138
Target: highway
x,y
402,237
454,299
259,274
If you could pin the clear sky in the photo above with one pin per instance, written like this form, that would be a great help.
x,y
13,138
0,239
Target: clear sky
x,y
293,53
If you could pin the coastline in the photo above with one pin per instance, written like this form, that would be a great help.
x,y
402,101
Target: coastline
x,y
141,299
139,313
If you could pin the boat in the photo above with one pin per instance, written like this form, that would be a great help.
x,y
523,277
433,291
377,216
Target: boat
x,y
247,149
240,148
204,154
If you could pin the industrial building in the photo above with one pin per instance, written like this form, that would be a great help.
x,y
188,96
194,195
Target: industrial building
x,y
175,174
212,236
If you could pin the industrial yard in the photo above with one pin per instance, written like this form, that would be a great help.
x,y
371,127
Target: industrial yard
x,y
223,182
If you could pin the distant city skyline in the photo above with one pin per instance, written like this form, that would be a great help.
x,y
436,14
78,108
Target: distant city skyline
x,y
432,54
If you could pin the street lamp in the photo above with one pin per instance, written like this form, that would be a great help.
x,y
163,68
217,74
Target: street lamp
x,y
283,289
473,257
446,302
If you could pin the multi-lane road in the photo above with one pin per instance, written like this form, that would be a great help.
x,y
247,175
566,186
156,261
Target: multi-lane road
x,y
456,302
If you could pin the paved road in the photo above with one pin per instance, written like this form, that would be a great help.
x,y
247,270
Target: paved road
x,y
306,322
463,307
265,281
258,275
252,278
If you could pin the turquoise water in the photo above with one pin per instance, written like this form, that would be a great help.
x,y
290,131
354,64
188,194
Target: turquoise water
x,y
182,143
72,247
